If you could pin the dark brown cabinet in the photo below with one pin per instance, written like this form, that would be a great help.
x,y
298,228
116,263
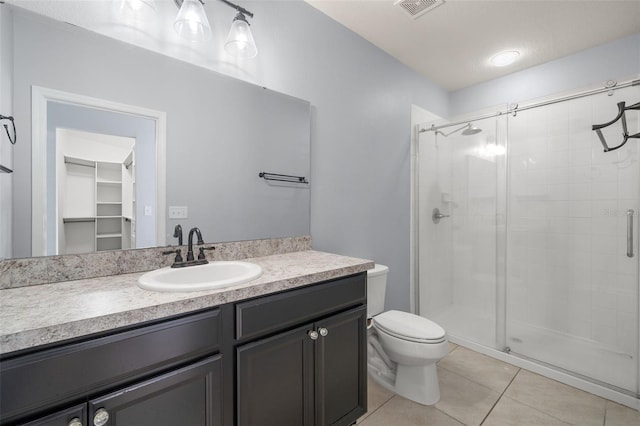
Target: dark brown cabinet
x,y
275,380
312,375
74,416
188,396
341,368
296,357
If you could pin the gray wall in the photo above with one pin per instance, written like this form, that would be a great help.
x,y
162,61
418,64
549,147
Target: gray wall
x,y
361,98
6,149
220,131
361,128
618,59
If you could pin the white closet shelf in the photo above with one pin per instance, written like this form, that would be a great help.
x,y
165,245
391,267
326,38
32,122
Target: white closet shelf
x,y
108,202
109,182
109,217
78,219
108,235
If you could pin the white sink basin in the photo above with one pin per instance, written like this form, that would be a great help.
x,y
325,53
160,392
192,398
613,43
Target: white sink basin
x,y
213,275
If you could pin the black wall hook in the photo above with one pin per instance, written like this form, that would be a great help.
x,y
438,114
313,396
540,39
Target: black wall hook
x,y
6,128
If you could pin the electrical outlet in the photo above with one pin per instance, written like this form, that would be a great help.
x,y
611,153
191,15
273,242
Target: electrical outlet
x,y
148,211
178,212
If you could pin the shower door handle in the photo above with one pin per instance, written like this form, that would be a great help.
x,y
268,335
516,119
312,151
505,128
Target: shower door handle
x,y
630,233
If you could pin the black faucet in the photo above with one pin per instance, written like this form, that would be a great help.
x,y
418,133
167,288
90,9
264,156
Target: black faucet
x,y
190,248
190,261
177,233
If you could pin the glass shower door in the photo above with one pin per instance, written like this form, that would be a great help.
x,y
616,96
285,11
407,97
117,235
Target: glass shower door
x,y
572,287
460,176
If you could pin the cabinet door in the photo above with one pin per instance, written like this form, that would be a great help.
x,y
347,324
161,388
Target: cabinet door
x,y
341,368
275,380
74,416
188,396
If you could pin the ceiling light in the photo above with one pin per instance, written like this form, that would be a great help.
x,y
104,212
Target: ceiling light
x,y
240,41
503,59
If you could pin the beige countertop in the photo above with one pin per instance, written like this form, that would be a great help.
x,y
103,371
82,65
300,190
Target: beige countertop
x,y
48,313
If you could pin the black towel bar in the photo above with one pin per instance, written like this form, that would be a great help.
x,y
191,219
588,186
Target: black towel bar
x,y
283,178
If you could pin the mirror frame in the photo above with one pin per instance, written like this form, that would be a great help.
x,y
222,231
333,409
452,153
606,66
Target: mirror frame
x,y
39,98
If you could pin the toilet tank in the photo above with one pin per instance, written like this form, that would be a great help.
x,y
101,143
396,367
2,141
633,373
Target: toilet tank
x,y
376,289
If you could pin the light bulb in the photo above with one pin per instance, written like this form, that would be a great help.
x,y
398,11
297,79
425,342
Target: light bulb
x,y
240,41
192,23
144,10
505,58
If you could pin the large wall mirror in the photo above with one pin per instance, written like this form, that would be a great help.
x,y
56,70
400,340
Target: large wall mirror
x,y
201,141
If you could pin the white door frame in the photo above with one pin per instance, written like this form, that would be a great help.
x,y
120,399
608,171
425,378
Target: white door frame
x,y
39,98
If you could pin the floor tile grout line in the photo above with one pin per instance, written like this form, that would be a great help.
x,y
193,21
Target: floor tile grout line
x,y
473,381
536,408
449,415
501,395
367,415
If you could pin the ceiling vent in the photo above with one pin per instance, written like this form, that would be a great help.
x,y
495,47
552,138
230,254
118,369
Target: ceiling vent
x,y
417,8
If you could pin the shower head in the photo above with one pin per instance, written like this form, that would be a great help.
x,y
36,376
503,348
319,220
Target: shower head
x,y
471,130
467,129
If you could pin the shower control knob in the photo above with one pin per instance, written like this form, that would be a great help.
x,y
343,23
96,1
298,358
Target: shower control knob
x,y
313,334
436,215
323,331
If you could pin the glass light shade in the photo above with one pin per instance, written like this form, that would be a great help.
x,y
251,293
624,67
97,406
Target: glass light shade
x,y
191,22
240,41
140,9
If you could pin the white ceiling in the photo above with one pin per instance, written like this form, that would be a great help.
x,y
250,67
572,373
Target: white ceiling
x,y
452,44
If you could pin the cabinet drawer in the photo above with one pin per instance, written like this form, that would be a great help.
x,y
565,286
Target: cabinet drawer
x,y
270,313
51,377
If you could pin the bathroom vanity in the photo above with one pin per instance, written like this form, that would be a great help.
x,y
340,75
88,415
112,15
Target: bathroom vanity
x,y
286,349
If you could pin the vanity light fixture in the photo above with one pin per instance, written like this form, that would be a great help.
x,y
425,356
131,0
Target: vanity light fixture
x,y
144,10
503,59
192,24
240,41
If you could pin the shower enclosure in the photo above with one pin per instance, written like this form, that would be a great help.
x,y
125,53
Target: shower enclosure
x,y
534,256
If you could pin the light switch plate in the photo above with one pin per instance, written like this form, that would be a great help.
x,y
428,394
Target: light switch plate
x,y
178,212
148,211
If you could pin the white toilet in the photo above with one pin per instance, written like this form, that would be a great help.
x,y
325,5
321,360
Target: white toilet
x,y
403,348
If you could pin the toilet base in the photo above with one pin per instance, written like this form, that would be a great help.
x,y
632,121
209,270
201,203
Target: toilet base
x,y
417,383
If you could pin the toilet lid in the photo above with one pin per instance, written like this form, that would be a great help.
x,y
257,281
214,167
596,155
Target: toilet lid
x,y
406,326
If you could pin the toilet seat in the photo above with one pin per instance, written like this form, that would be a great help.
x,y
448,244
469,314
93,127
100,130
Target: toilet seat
x,y
410,327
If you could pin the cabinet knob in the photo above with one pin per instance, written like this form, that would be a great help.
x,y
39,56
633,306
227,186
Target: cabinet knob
x,y
101,417
313,334
323,331
75,422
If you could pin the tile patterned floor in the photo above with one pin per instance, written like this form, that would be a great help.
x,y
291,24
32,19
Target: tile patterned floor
x,y
478,390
